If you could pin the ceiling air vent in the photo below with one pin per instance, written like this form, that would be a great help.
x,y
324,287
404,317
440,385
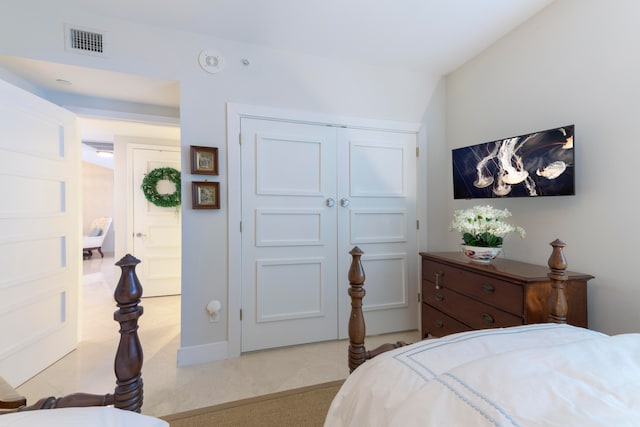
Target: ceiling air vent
x,y
84,40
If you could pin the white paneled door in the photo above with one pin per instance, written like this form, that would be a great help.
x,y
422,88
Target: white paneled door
x,y
156,230
288,234
40,229
310,192
377,191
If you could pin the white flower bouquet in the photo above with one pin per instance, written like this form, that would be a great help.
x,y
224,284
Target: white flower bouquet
x,y
483,226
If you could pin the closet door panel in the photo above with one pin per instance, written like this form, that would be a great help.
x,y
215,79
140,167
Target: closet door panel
x,y
379,216
289,294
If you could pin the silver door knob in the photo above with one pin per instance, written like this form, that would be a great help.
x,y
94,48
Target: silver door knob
x,y
344,202
141,235
330,202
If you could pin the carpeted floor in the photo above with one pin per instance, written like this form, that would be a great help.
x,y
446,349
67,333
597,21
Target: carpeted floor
x,y
302,407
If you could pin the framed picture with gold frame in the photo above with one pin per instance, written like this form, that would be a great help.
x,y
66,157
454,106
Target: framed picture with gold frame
x,y
204,160
205,195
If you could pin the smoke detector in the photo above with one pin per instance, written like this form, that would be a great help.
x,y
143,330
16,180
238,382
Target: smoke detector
x,y
211,61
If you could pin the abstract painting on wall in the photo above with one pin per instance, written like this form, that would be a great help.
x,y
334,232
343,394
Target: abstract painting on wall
x,y
536,164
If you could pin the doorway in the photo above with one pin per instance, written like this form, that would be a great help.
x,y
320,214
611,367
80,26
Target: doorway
x,y
106,104
156,231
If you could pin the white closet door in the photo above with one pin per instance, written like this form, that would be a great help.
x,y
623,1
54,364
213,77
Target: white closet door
x,y
309,194
377,213
288,234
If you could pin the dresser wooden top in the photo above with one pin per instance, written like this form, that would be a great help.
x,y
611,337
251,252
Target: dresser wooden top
x,y
500,267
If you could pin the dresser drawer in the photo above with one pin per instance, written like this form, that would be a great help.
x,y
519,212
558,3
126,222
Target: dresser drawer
x,y
499,293
475,314
438,324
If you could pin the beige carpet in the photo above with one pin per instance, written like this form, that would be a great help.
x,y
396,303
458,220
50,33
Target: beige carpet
x,y
302,407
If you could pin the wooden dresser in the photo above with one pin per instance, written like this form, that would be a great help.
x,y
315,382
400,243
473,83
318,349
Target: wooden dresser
x,y
459,295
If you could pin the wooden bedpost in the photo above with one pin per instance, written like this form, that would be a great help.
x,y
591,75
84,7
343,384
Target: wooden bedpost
x,y
128,361
557,298
357,330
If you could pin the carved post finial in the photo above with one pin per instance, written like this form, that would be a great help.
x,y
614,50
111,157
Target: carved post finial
x,y
128,361
557,299
357,352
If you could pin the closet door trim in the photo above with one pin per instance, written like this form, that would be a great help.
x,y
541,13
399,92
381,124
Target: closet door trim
x,y
235,112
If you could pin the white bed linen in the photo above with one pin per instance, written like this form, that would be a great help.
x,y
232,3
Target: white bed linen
x,y
534,375
99,416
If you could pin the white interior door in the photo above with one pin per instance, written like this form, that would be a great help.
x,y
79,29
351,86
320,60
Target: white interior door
x,y
40,229
156,230
309,193
288,234
378,214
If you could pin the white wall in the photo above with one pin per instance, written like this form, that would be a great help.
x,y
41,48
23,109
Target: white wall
x,y
274,78
576,62
436,167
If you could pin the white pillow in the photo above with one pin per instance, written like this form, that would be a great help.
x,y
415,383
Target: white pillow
x,y
97,416
97,231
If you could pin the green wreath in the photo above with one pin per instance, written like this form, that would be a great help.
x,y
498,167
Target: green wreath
x,y
150,184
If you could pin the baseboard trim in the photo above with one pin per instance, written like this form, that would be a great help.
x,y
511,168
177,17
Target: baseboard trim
x,y
197,354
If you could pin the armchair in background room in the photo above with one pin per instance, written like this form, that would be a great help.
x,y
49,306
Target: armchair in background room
x,y
97,232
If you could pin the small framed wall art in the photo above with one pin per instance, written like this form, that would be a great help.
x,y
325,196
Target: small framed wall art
x,y
205,195
204,160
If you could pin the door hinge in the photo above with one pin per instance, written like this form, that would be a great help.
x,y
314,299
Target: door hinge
x,y
417,151
417,224
241,315
240,138
419,297
241,226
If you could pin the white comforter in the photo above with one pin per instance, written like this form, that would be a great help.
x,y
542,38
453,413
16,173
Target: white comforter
x,y
534,375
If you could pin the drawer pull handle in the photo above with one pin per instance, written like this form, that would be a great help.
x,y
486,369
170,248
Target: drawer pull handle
x,y
488,319
438,275
488,288
439,323
439,297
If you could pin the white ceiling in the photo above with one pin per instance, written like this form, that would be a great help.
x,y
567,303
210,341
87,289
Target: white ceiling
x,y
435,36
